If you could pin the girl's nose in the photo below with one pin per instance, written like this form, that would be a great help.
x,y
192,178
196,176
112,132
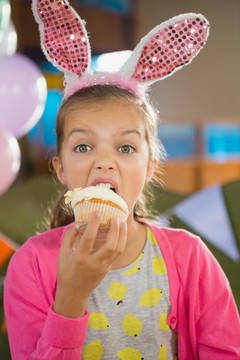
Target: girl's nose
x,y
105,162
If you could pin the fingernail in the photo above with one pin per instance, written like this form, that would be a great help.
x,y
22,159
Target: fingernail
x,y
97,213
124,225
116,221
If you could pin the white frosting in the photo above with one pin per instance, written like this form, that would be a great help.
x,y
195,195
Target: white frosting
x,y
94,192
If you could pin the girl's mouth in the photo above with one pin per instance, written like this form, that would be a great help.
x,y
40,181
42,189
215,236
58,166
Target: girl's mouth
x,y
107,185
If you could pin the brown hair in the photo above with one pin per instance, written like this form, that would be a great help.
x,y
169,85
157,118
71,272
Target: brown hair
x,y
60,213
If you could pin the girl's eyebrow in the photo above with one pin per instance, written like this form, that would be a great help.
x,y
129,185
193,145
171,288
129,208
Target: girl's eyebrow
x,y
89,132
79,130
130,131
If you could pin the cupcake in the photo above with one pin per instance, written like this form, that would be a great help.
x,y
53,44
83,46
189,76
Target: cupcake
x,y
85,201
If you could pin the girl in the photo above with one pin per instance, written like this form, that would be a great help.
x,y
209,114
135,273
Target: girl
x,y
143,292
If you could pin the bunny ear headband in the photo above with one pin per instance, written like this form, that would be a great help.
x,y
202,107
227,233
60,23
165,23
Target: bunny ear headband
x,y
164,50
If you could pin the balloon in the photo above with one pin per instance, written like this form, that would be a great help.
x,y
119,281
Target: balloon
x,y
5,11
23,92
8,44
9,159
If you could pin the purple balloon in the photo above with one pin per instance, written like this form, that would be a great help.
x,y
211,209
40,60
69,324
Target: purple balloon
x,y
23,93
9,159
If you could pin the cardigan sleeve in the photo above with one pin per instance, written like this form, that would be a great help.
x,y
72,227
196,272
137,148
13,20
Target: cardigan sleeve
x,y
218,323
208,318
204,313
35,331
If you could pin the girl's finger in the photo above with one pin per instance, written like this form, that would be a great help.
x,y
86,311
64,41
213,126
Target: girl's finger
x,y
69,239
108,248
89,236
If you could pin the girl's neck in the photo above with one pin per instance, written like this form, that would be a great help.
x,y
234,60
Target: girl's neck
x,y
136,239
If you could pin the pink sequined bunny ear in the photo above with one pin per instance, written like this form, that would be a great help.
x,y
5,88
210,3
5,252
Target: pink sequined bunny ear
x,y
167,48
63,35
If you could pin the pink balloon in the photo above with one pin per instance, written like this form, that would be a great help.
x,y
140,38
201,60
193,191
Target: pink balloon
x,y
23,93
9,159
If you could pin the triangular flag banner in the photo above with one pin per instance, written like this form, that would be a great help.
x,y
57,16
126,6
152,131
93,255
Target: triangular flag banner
x,y
162,220
7,248
4,326
206,214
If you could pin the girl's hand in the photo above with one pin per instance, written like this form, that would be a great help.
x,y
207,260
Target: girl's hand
x,y
81,270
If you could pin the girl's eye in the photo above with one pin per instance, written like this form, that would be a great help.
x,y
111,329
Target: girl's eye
x,y
82,148
126,149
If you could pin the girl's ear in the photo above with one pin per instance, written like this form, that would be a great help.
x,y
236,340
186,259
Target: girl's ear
x,y
152,166
58,167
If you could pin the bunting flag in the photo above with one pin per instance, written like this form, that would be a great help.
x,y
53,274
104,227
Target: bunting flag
x,y
206,213
4,326
7,248
214,215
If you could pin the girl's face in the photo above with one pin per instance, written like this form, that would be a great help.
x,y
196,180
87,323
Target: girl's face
x,y
105,144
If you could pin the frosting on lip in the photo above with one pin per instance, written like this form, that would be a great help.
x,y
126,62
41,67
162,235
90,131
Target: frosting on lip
x,y
94,192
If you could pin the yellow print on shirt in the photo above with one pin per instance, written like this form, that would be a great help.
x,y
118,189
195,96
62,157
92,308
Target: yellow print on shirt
x,y
151,297
163,353
159,266
117,291
98,321
151,237
133,270
163,322
130,354
131,325
93,351
139,258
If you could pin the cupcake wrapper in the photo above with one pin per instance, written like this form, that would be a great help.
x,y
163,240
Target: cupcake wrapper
x,y
83,211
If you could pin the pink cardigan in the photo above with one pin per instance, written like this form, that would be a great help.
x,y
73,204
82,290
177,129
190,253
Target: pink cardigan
x,y
203,312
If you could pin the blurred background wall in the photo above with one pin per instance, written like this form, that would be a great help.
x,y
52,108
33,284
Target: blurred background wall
x,y
210,86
